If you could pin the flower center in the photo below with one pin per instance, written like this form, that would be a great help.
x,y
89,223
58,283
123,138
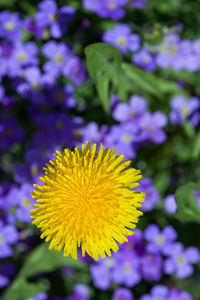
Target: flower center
x,y
127,269
181,259
1,239
185,111
160,240
145,58
26,202
59,58
77,134
36,86
110,262
173,50
59,96
46,34
133,114
34,170
126,137
53,17
59,125
150,129
8,131
9,26
22,56
150,257
121,41
111,5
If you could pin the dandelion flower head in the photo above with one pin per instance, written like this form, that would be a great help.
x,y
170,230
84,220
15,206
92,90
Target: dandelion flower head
x,y
86,200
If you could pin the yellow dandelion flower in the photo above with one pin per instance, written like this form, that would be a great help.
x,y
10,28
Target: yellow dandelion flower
x,y
86,201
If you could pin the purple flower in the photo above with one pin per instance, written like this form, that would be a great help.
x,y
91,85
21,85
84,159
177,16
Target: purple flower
x,y
180,260
158,292
126,269
90,132
159,240
176,294
170,204
25,201
2,93
10,26
10,133
8,237
197,195
4,281
27,53
144,59
121,137
133,111
40,296
63,97
168,52
106,8
101,276
73,69
151,194
182,109
35,81
57,55
81,291
152,127
151,266
140,4
56,19
134,246
122,294
122,38
32,168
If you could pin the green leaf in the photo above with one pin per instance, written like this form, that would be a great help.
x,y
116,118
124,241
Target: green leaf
x,y
188,209
104,64
42,259
7,3
149,83
21,289
196,147
191,285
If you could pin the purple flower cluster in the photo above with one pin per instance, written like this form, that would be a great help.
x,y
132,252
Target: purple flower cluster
x,y
172,52
50,19
179,260
183,109
136,128
162,292
20,61
122,38
139,260
80,291
106,8
179,54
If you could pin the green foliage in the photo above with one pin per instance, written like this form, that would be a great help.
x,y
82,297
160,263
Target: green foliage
x,y
104,64
40,260
188,210
22,289
149,83
191,285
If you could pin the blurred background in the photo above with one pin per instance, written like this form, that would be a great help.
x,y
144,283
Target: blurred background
x,y
125,73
